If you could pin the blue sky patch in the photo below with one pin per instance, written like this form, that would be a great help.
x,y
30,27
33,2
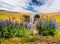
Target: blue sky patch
x,y
36,3
30,9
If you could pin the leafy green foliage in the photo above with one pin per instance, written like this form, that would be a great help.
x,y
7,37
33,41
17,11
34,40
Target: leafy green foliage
x,y
15,32
11,29
46,27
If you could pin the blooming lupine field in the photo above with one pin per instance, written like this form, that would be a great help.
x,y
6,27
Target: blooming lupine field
x,y
14,29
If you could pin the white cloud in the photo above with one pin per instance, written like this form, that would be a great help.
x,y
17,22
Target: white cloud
x,y
16,5
54,6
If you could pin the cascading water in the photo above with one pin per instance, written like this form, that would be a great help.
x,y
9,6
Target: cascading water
x,y
31,19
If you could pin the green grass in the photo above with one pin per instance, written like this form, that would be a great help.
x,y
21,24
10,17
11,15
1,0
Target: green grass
x,y
57,33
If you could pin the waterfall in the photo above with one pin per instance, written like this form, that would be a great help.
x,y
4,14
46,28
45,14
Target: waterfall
x,y
31,19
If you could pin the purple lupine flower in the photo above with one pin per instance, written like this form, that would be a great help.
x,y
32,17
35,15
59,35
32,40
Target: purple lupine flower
x,y
4,23
28,25
8,21
53,22
56,25
16,24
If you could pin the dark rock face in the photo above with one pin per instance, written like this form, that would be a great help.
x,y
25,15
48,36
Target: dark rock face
x,y
36,16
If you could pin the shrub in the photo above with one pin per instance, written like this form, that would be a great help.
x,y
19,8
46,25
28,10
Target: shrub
x,y
9,28
23,32
46,27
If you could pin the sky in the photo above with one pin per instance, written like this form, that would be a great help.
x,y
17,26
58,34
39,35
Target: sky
x,y
31,6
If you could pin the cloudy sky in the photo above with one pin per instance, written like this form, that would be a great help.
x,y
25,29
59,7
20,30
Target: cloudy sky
x,y
32,6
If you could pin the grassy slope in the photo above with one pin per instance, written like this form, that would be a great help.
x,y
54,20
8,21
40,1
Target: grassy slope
x,y
12,15
18,16
56,16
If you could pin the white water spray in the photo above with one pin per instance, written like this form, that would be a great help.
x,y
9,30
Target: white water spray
x,y
31,19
